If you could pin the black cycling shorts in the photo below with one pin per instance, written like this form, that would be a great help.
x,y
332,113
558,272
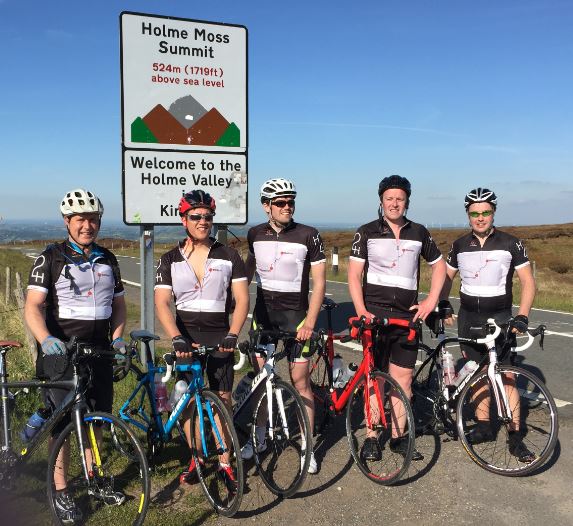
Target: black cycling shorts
x,y
468,319
99,396
218,366
393,344
283,320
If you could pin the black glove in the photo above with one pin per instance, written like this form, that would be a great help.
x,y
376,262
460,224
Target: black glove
x,y
181,344
445,308
521,323
230,341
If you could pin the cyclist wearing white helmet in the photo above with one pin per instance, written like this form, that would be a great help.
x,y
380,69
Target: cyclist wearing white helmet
x,y
383,282
486,259
75,289
283,254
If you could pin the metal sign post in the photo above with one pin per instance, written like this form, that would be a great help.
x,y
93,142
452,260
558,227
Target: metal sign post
x,y
146,243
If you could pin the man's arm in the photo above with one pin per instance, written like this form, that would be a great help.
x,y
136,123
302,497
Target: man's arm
x,y
355,269
163,311
34,314
427,305
446,289
118,316
240,291
527,281
318,274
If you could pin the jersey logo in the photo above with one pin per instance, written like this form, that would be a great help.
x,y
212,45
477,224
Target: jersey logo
x,y
317,241
356,244
520,246
38,277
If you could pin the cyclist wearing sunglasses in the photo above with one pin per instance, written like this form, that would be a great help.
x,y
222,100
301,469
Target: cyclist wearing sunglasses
x,y
383,282
486,259
283,254
202,276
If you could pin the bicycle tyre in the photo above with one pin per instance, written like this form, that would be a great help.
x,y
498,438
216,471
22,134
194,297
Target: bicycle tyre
x,y
283,461
425,397
538,429
111,472
392,465
223,494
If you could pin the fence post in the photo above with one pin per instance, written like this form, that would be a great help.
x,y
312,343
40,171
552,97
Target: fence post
x,y
7,297
30,340
335,261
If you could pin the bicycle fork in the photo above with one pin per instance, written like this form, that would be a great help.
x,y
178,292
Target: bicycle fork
x,y
500,394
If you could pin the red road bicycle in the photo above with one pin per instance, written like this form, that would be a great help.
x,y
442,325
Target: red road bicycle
x,y
366,392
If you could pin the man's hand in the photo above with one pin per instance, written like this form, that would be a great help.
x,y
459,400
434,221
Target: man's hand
x,y
118,345
182,346
520,324
229,342
53,346
423,308
304,333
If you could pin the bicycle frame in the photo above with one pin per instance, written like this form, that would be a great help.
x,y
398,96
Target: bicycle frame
x,y
72,404
146,386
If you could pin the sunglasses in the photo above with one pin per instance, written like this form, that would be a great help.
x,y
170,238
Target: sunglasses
x,y
485,213
281,203
198,217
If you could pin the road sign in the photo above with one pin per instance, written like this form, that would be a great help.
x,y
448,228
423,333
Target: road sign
x,y
184,116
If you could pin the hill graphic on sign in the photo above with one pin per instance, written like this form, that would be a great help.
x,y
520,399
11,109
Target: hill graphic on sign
x,y
186,122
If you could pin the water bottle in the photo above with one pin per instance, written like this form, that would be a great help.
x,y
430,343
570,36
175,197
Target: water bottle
x,y
448,368
162,403
243,386
469,367
35,422
177,392
337,371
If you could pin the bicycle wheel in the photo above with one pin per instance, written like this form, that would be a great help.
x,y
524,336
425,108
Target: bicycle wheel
x,y
426,398
217,454
320,391
495,449
117,487
396,422
282,457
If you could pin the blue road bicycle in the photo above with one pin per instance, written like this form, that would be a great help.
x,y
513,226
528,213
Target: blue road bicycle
x,y
215,446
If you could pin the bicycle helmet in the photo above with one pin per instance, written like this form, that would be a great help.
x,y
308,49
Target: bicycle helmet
x,y
196,199
394,181
277,188
480,195
80,201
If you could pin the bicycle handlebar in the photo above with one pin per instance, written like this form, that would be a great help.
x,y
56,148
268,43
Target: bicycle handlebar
x,y
362,323
531,334
171,359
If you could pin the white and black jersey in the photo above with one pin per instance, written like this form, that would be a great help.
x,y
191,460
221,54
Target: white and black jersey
x,y
391,266
79,291
486,272
205,305
283,261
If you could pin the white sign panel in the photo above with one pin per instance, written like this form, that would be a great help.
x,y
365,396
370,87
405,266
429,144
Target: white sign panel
x,y
184,84
154,183
184,116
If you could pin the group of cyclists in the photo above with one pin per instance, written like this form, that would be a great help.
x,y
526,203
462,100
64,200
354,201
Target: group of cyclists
x,y
75,289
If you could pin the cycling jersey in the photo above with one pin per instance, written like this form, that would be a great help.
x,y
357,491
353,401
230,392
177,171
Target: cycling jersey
x,y
486,272
205,306
391,266
79,290
283,261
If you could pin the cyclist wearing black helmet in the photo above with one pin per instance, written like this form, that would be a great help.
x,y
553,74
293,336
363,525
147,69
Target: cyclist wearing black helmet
x,y
383,276
202,276
486,259
75,289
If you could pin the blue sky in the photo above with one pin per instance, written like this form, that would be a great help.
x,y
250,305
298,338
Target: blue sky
x,y
451,94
